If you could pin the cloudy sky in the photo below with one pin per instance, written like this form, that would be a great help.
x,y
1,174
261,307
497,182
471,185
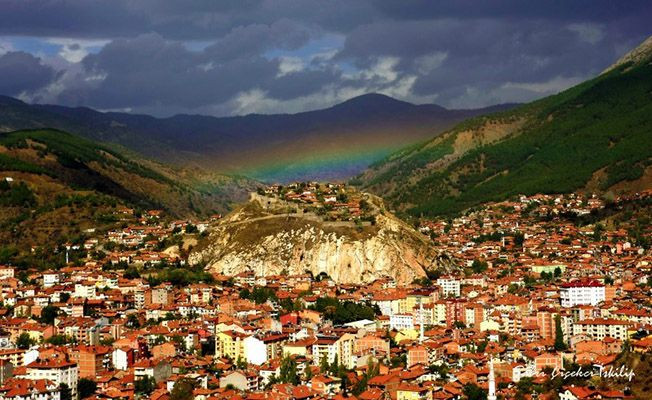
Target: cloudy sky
x,y
228,57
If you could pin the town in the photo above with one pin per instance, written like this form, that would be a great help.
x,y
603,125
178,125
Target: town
x,y
544,300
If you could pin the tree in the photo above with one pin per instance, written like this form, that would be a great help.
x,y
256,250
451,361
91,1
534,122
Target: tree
x,y
308,373
49,313
131,273
145,385
473,392
459,325
66,392
288,373
86,387
58,340
132,321
479,266
441,370
373,370
25,341
323,364
182,389
597,232
335,366
559,335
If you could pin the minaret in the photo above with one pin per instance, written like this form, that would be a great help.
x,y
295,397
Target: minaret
x,y
421,320
492,381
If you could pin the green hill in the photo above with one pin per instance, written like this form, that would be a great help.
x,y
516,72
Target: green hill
x,y
594,136
55,185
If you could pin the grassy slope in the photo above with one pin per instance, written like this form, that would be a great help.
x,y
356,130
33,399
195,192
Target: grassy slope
x,y
84,164
64,184
602,124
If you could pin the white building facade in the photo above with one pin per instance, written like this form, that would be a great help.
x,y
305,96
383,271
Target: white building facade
x,y
584,292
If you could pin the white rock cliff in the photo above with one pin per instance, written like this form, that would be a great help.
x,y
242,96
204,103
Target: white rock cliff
x,y
275,244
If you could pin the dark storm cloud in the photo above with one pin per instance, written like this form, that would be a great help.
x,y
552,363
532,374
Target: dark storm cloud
x,y
181,20
150,70
166,56
559,10
479,50
22,72
256,38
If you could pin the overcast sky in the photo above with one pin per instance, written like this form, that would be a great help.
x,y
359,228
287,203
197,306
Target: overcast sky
x,y
228,57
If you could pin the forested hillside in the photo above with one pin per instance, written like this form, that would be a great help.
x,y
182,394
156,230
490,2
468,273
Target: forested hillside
x,y
594,136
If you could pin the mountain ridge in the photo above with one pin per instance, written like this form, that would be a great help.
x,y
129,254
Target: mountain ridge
x,y
372,124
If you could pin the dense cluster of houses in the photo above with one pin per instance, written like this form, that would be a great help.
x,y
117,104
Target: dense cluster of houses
x,y
533,295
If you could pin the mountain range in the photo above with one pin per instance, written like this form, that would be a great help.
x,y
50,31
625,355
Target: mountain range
x,y
334,143
594,137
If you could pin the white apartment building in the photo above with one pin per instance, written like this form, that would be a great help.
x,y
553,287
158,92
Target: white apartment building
x,y
600,328
401,321
56,370
449,286
332,347
50,279
324,347
581,292
86,291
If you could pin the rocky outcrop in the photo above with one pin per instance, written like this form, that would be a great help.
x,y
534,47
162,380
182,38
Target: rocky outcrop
x,y
274,244
642,53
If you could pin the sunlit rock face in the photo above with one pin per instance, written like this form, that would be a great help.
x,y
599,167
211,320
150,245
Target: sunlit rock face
x,y
268,245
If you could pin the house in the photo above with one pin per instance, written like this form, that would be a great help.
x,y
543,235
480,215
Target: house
x,y
450,286
371,344
400,322
406,391
159,370
600,328
6,272
50,278
331,347
417,355
387,383
28,389
164,350
122,358
57,370
244,381
325,385
6,371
